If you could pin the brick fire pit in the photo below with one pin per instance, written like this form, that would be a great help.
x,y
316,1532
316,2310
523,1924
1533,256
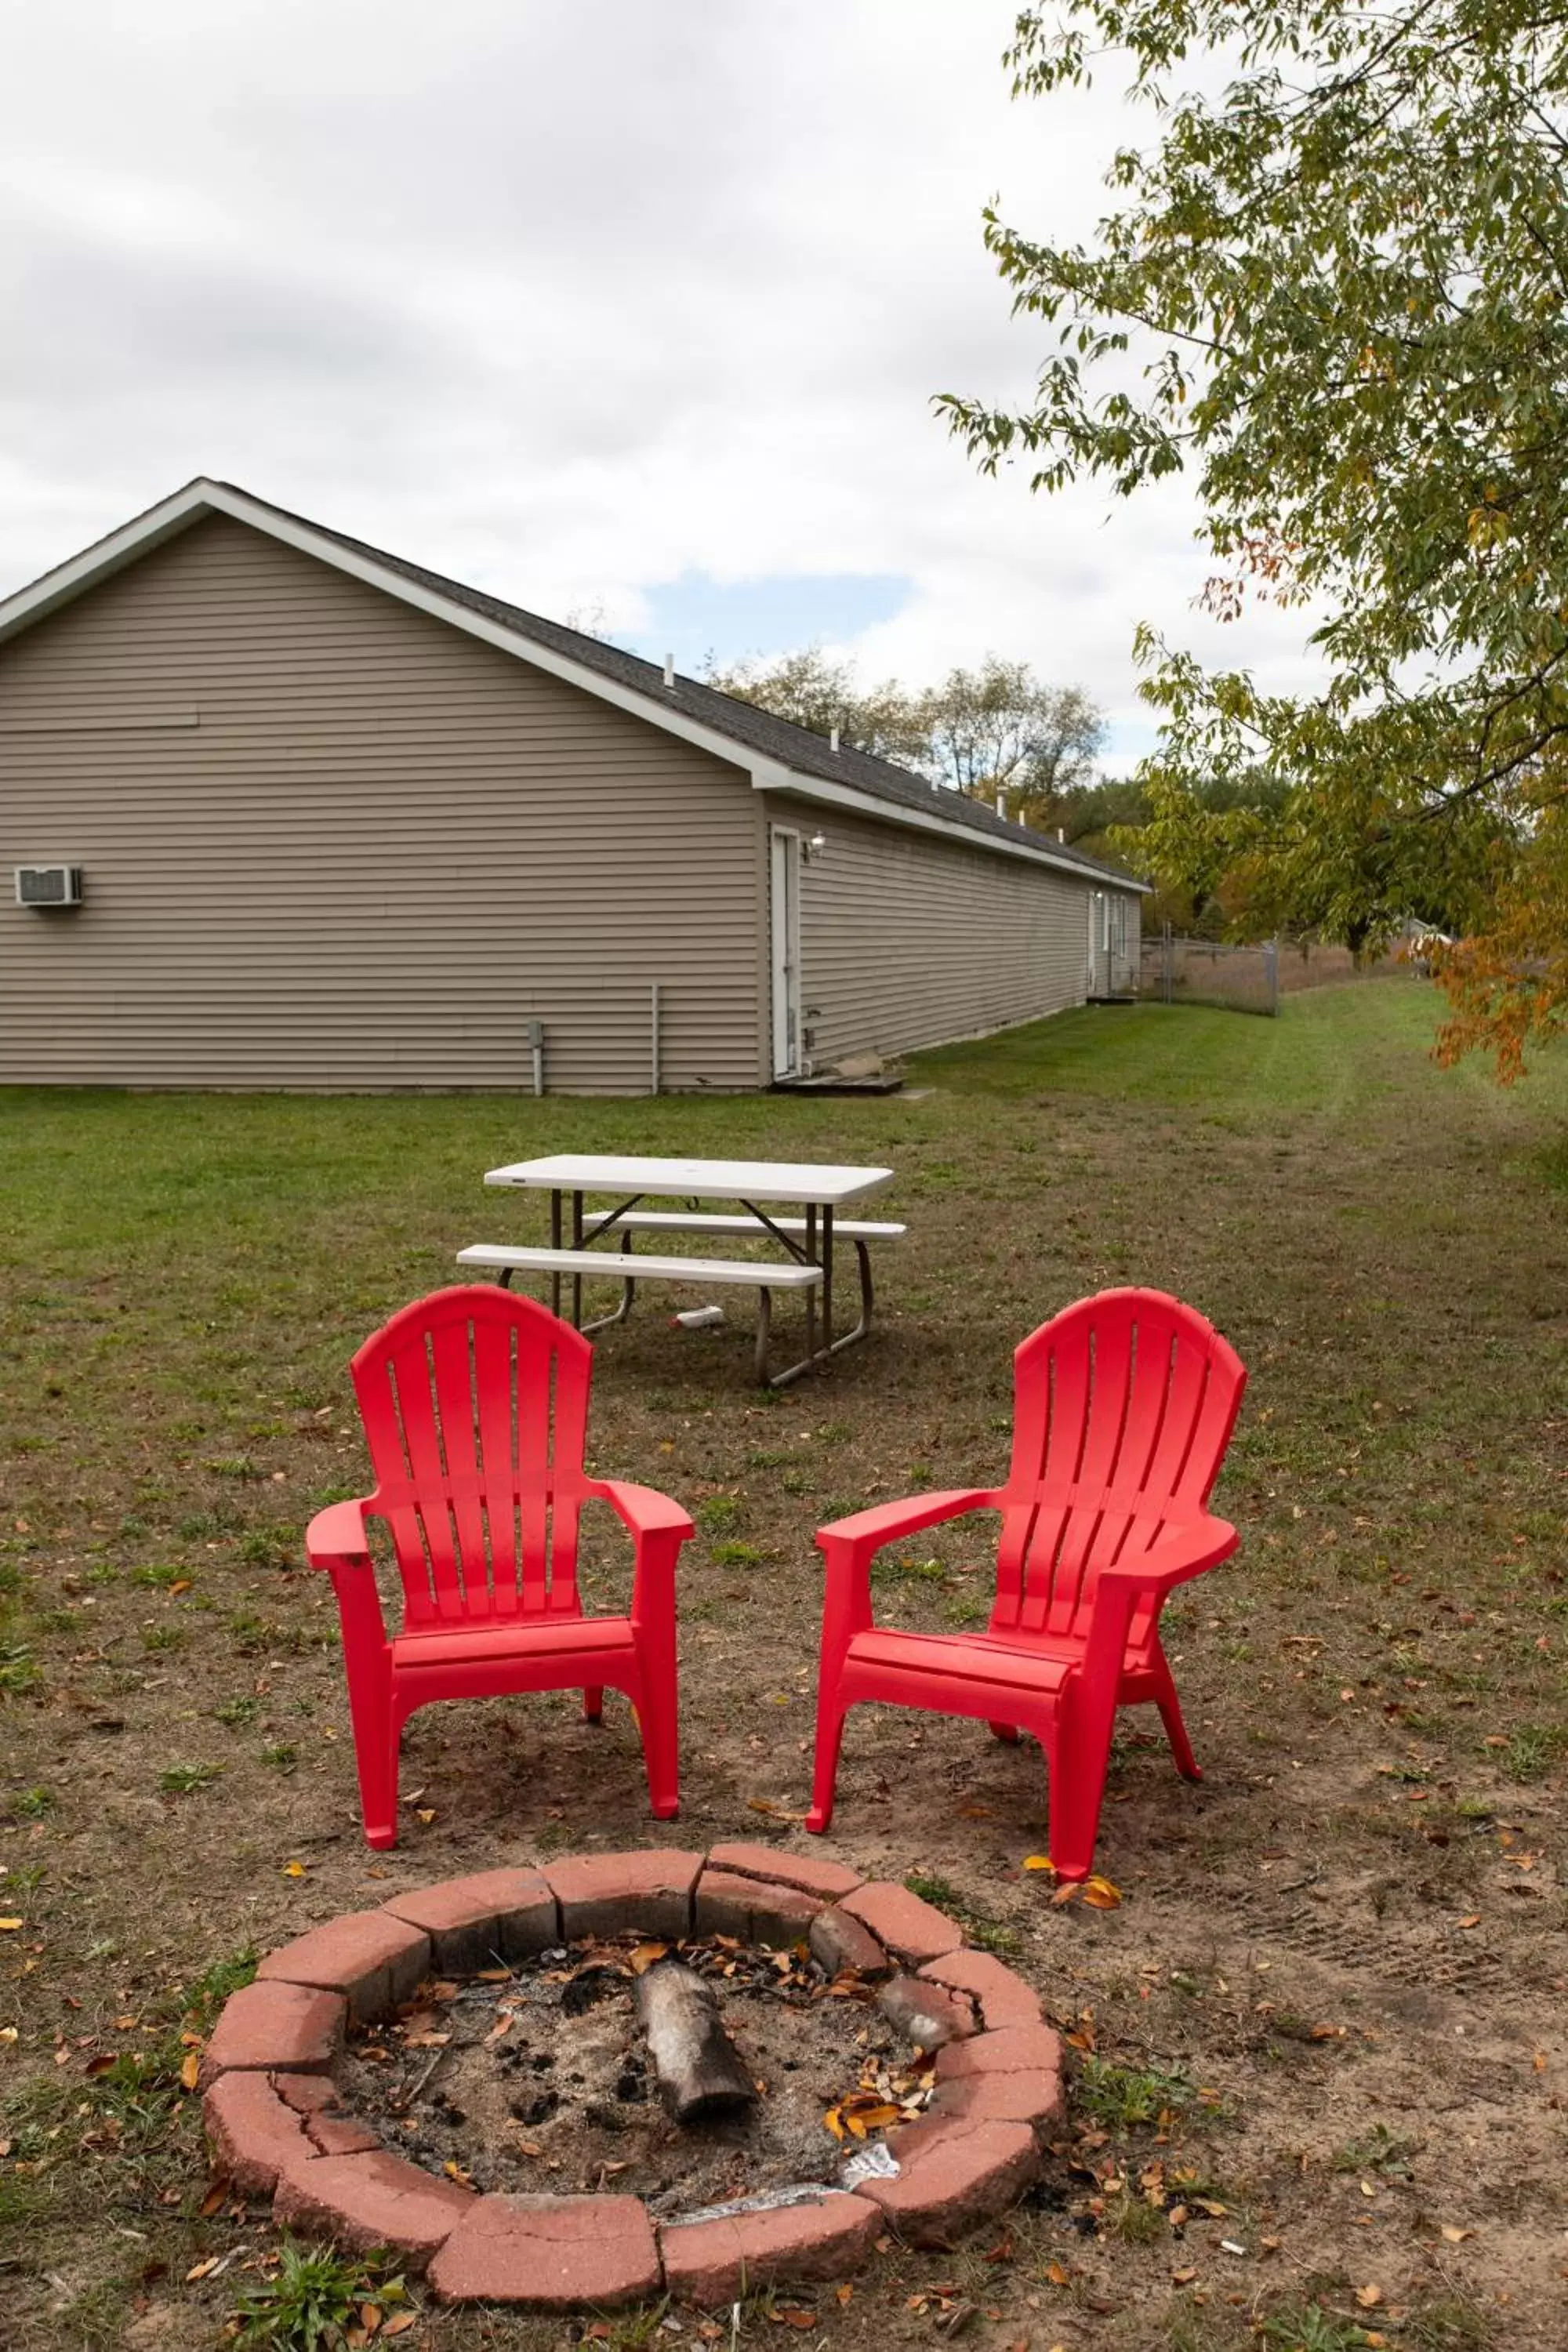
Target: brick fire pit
x,y
276,2127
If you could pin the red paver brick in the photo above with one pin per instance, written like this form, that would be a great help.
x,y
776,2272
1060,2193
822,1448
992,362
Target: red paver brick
x,y
955,2174
911,1929
1023,2096
1004,1998
1008,2049
330,2127
728,1905
929,2013
841,1944
252,2133
290,2027
719,2262
812,1873
549,2254
600,1893
472,1922
372,1958
374,2200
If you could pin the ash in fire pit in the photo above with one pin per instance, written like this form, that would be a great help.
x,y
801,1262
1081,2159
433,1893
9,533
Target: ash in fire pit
x,y
694,2075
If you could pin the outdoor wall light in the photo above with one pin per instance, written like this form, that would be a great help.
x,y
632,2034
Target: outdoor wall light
x,y
816,844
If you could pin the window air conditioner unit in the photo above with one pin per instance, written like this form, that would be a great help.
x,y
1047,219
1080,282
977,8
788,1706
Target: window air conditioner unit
x,y
48,886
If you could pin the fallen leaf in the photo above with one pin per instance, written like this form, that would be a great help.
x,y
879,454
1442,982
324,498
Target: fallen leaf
x,y
9,1925
1455,2236
203,2270
102,2064
1369,2297
294,1869
189,2068
425,1813
370,2317
1183,2278
1100,1893
1039,1861
843,2294
212,2199
644,1956
1471,1919
791,2314
399,2324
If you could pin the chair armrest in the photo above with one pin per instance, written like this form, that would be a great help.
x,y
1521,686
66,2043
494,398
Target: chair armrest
x,y
1181,1552
335,1541
336,1538
642,1509
865,1531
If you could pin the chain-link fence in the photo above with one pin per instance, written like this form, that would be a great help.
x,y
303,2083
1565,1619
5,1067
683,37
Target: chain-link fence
x,y
1175,971
1207,972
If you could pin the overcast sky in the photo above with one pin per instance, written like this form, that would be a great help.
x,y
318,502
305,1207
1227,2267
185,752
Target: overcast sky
x,y
623,307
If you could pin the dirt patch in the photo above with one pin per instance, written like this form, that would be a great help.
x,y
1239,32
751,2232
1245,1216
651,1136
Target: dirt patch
x,y
540,2080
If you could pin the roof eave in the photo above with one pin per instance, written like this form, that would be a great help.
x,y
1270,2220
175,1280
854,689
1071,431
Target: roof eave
x,y
203,497
845,796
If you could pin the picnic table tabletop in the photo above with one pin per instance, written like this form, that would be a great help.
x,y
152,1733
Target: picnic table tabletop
x,y
729,1180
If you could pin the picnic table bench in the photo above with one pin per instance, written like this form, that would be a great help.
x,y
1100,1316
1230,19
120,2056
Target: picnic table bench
x,y
806,1242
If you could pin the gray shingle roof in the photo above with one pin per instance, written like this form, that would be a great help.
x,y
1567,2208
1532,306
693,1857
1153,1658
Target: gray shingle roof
x,y
743,722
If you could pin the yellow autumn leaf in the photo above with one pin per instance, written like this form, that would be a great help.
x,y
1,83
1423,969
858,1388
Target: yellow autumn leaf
x,y
835,2123
1100,1893
189,2068
9,1924
294,1870
1039,1861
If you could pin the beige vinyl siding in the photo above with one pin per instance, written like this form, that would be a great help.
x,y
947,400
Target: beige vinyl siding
x,y
908,939
332,842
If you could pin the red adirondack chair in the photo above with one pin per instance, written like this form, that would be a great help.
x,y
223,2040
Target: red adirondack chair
x,y
458,1394
1124,1406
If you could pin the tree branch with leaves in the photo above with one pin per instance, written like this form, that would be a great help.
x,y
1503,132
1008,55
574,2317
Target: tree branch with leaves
x,y
1332,295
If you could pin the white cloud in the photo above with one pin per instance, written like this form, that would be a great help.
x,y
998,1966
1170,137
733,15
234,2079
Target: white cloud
x,y
567,302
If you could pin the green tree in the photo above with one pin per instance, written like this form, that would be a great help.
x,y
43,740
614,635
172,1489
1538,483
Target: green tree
x,y
1333,288
997,731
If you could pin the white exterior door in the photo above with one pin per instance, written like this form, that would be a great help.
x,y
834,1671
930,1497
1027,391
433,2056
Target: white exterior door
x,y
784,929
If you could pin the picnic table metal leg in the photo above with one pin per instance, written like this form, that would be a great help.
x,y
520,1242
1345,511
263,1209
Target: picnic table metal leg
x,y
764,1328
555,1244
628,1292
576,1279
811,1295
828,1278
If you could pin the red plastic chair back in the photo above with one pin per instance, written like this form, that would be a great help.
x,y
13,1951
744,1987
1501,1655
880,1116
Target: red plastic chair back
x,y
475,1405
1124,1406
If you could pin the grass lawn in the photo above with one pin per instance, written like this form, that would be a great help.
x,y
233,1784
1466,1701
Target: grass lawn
x,y
1326,2022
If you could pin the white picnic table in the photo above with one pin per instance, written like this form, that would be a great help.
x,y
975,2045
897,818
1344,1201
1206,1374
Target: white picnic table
x,y
805,1242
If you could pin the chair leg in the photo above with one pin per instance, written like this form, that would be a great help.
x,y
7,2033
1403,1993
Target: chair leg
x,y
1005,1731
1170,1707
592,1706
824,1781
1076,1788
376,1741
658,1724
